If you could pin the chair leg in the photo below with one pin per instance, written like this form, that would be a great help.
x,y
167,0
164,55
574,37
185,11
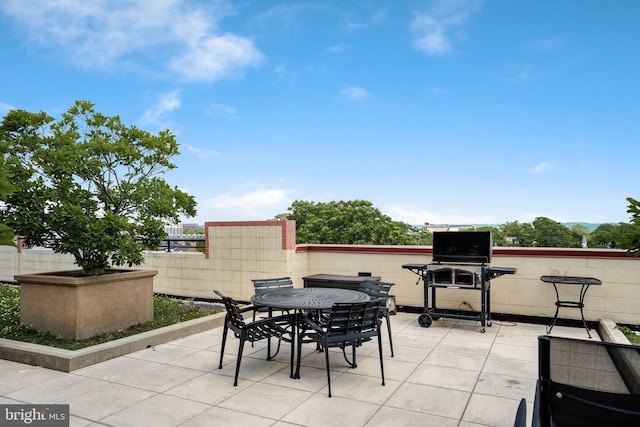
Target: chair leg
x,y
353,356
253,320
240,348
352,362
389,329
326,358
295,339
269,355
380,354
224,341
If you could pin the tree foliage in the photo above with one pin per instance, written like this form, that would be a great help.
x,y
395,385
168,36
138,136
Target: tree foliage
x,y
516,234
91,184
542,232
629,235
6,188
604,236
552,234
354,222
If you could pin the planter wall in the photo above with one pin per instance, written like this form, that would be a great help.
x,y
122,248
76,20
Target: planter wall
x,y
81,307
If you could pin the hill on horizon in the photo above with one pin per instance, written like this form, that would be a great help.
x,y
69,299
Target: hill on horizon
x,y
591,226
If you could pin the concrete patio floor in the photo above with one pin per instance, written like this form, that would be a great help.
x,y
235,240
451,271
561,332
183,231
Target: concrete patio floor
x,y
447,375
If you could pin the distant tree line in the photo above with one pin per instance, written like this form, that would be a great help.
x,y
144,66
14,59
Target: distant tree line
x,y
545,232
359,222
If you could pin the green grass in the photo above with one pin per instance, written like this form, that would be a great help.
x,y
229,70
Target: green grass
x,y
166,311
630,334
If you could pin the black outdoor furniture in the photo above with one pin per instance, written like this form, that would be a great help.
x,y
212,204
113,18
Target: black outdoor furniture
x,y
264,285
583,282
335,281
585,383
303,300
451,276
347,325
271,327
380,290
460,261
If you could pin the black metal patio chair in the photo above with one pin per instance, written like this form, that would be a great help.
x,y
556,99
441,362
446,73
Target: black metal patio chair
x,y
271,327
264,285
586,383
347,325
377,289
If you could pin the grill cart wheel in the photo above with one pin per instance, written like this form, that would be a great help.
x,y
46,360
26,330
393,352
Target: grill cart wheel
x,y
425,320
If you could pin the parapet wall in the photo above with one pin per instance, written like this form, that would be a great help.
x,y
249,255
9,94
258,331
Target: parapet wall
x,y
237,252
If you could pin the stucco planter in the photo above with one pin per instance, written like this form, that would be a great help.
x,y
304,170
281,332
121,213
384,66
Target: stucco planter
x,y
79,307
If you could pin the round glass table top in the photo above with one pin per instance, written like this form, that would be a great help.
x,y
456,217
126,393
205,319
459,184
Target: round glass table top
x,y
308,298
571,280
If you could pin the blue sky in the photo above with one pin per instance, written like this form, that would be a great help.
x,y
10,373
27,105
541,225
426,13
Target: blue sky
x,y
447,111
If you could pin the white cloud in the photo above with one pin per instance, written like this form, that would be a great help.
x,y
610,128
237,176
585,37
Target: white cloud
x,y
216,57
542,167
200,153
5,108
524,74
222,110
435,42
155,115
174,35
354,94
337,48
432,28
417,216
258,204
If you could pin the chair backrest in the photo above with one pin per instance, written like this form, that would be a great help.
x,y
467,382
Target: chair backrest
x,y
376,289
354,319
234,317
588,383
263,285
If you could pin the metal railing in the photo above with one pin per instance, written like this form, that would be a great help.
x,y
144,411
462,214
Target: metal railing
x,y
186,243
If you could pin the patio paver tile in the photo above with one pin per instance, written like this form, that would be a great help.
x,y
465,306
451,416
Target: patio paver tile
x,y
391,416
158,411
106,400
228,418
266,400
445,375
430,400
321,411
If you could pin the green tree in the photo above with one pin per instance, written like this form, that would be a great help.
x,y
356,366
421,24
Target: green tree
x,y
518,235
629,234
423,236
604,236
354,222
497,236
552,234
6,188
91,184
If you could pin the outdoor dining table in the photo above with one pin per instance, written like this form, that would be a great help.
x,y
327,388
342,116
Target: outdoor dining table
x,y
305,299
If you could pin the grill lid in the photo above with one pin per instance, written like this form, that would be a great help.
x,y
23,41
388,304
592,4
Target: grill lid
x,y
462,246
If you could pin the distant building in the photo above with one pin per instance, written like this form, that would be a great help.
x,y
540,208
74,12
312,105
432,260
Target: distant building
x,y
435,227
446,227
192,227
173,230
